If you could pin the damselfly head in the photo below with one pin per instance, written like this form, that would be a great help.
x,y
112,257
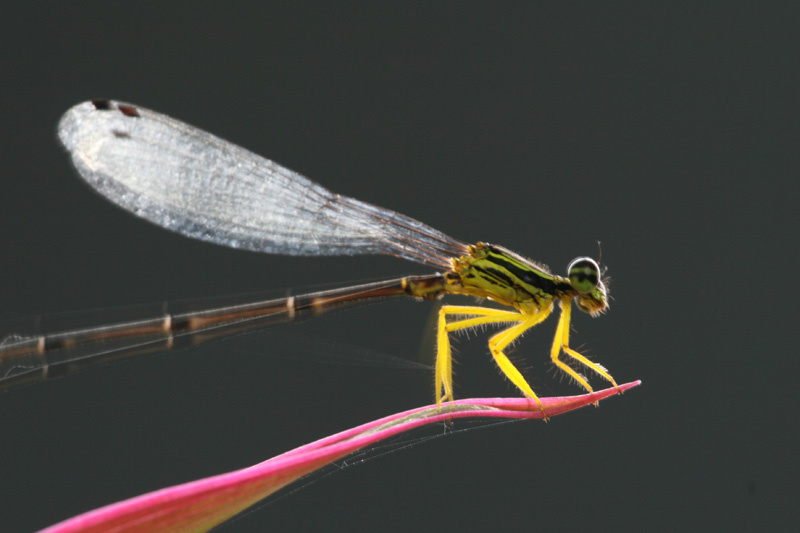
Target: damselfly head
x,y
584,276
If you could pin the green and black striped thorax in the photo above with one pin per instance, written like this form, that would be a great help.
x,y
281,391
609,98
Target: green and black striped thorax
x,y
490,271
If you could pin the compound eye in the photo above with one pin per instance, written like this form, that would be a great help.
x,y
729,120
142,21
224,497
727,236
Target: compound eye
x,y
584,274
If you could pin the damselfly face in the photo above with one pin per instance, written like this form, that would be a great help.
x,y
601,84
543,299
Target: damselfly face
x,y
584,276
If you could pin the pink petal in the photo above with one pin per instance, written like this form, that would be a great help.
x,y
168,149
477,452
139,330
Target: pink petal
x,y
200,505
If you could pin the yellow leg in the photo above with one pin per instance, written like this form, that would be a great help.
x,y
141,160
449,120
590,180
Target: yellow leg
x,y
500,341
561,342
444,375
444,360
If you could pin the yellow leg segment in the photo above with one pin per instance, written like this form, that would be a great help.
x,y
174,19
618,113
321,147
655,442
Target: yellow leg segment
x,y
561,342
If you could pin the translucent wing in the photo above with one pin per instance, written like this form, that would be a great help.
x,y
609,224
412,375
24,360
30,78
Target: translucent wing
x,y
187,180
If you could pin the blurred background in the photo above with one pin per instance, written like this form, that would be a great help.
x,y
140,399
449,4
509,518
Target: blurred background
x,y
668,132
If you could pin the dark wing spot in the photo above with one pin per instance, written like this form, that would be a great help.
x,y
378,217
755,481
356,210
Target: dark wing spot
x,y
121,134
128,110
101,105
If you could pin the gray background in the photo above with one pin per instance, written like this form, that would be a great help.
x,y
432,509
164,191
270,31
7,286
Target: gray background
x,y
667,132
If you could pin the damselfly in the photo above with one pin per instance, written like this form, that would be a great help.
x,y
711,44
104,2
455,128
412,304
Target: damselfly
x,y
191,182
